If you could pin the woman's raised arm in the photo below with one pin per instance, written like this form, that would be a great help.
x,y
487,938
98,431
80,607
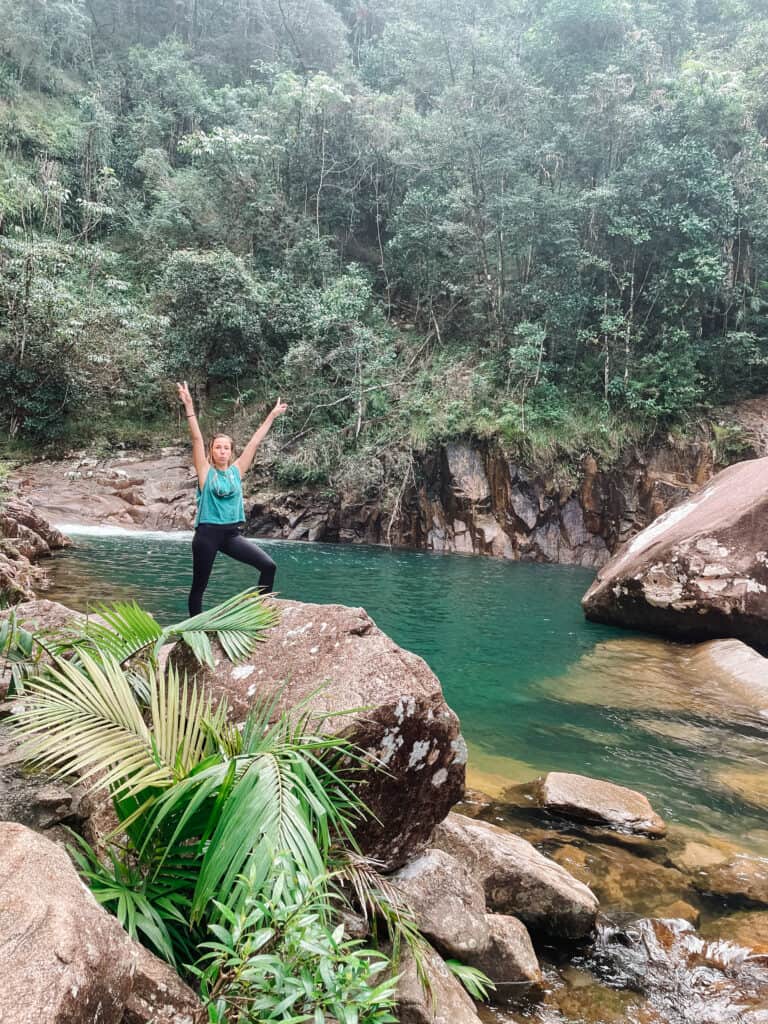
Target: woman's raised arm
x,y
244,461
198,444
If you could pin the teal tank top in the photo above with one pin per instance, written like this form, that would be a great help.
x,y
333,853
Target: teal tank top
x,y
221,499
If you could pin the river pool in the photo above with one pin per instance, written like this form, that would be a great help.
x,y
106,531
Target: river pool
x,y
537,687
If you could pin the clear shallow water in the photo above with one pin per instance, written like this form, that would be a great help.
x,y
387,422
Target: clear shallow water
x,y
537,687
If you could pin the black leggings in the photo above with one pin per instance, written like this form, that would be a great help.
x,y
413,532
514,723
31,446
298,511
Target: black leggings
x,y
209,539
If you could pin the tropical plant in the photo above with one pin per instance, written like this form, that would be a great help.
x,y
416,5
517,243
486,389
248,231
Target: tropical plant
x,y
199,800
220,829
130,634
478,984
18,651
280,958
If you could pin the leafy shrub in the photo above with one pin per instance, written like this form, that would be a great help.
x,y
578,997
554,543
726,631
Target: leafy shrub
x,y
279,958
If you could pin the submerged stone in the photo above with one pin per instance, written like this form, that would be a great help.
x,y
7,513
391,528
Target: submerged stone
x,y
748,928
742,878
639,673
624,882
749,784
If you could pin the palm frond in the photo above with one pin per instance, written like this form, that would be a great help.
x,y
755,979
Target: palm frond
x,y
155,914
239,624
380,900
185,726
126,631
198,642
478,984
82,718
278,796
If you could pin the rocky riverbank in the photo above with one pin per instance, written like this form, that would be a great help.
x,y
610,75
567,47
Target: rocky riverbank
x,y
463,497
25,537
571,893
468,499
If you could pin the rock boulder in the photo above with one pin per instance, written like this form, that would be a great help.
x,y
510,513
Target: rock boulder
x,y
509,960
158,995
447,1003
63,959
740,878
518,880
386,700
599,803
24,537
700,570
448,904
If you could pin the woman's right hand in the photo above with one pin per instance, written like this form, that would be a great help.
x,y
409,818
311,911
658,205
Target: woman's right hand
x,y
185,396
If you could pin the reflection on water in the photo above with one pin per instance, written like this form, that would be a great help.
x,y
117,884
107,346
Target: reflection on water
x,y
536,686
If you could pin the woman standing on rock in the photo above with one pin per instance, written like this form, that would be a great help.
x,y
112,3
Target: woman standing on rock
x,y
220,511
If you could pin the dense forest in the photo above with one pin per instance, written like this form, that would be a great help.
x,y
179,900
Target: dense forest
x,y
544,224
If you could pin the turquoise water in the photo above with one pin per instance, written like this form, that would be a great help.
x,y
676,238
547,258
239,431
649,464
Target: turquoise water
x,y
534,684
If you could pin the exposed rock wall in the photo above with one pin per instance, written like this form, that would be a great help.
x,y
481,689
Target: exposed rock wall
x,y
24,537
469,498
474,500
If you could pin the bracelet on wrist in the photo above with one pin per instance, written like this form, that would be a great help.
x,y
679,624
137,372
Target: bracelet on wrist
x,y
190,415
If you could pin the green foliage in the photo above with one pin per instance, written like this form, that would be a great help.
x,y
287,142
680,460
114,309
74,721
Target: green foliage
x,y
72,341
538,211
729,443
229,836
213,307
279,958
474,981
18,651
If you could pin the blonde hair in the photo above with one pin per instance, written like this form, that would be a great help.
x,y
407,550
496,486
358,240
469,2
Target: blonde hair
x,y
213,441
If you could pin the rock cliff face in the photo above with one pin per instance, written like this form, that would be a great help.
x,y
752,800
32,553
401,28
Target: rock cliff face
x,y
468,499
473,500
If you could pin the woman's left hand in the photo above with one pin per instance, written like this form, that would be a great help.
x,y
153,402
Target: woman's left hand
x,y
280,408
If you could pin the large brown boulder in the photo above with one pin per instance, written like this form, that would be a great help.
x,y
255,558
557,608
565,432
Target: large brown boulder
x,y
361,685
159,996
700,570
446,1002
448,906
41,615
63,959
518,880
447,902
